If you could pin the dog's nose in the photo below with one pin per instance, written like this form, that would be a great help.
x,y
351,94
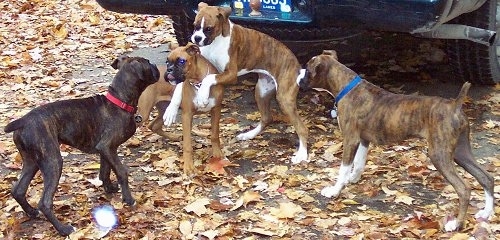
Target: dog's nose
x,y
197,39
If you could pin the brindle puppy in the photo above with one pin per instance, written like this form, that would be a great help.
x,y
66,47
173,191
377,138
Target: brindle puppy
x,y
96,124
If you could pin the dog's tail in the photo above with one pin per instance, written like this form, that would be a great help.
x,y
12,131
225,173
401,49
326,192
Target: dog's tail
x,y
12,126
461,96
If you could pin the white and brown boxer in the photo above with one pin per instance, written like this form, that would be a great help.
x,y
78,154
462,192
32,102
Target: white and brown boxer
x,y
186,67
235,50
368,114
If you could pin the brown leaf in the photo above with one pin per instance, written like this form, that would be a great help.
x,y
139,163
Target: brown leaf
x,y
286,210
247,197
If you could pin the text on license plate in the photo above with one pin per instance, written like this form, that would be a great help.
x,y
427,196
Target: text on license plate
x,y
269,5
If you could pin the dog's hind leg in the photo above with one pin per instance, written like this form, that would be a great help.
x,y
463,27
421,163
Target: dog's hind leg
x,y
350,146
359,161
463,157
442,160
51,169
156,125
265,91
19,189
287,99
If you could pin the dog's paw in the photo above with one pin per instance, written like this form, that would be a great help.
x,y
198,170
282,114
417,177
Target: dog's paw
x,y
300,156
201,99
170,115
250,134
129,201
483,214
203,93
354,178
65,230
330,192
451,225
189,170
32,213
111,187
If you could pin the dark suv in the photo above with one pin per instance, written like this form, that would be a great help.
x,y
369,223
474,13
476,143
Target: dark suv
x,y
307,26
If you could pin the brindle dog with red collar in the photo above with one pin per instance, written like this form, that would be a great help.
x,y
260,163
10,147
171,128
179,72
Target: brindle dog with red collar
x,y
96,124
368,114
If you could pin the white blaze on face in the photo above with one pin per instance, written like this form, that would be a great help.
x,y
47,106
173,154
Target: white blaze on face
x,y
199,34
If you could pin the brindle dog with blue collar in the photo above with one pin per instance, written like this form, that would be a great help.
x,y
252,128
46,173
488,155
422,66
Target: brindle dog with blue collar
x,y
96,124
368,114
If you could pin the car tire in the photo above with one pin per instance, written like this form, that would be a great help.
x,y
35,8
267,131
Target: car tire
x,y
475,62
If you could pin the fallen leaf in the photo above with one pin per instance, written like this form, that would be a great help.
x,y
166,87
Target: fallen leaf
x,y
247,197
198,206
286,210
216,165
262,231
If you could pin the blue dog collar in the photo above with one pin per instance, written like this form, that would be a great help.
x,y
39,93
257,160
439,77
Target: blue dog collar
x,y
354,82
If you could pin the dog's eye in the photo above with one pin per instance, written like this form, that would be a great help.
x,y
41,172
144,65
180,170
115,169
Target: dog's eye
x,y
181,61
208,29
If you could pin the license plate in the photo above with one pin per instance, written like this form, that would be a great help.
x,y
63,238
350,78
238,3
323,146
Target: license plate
x,y
266,5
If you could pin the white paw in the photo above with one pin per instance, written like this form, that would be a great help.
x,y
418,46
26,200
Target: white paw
x,y
243,136
201,99
483,214
330,191
250,134
354,178
300,156
451,226
170,115
203,93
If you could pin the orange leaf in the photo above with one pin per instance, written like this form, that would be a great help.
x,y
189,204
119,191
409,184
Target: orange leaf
x,y
216,165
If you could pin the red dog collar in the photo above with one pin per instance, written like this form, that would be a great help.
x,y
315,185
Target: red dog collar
x,y
120,103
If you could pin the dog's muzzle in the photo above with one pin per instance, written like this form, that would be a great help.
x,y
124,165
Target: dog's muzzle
x,y
173,74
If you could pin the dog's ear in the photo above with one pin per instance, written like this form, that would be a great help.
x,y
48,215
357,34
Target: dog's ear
x,y
118,62
223,16
314,67
193,49
173,46
202,5
331,53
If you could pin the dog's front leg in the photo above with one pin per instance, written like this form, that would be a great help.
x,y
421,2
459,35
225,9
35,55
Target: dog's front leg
x,y
171,111
344,171
111,156
187,145
218,92
342,180
104,176
359,162
227,77
204,91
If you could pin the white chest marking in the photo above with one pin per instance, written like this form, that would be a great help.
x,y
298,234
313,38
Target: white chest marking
x,y
218,51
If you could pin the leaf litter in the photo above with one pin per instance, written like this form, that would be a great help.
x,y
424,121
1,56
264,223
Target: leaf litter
x,y
255,193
